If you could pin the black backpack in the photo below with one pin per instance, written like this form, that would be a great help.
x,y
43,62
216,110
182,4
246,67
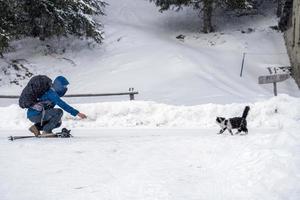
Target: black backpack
x,y
34,89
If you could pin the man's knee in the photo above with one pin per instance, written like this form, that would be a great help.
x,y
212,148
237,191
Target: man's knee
x,y
59,112
58,124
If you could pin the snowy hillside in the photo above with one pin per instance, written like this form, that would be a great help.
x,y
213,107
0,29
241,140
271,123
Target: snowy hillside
x,y
141,51
164,145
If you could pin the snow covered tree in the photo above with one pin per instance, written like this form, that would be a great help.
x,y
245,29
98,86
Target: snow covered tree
x,y
236,4
3,41
7,23
205,6
47,18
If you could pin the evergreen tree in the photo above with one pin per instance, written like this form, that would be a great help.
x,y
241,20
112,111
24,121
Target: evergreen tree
x,y
48,18
7,23
205,6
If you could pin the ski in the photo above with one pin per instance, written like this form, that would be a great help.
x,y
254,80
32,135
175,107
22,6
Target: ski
x,y
65,133
12,138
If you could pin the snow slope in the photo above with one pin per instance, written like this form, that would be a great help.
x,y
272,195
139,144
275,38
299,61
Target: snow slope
x,y
141,51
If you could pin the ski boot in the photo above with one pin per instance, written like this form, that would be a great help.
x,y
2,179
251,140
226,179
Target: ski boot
x,y
65,133
35,130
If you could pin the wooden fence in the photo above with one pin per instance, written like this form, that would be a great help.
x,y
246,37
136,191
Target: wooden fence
x,y
130,93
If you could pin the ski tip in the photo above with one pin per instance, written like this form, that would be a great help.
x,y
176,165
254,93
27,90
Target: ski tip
x,y
11,138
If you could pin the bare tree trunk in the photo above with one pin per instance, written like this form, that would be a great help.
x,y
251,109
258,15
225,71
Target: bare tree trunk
x,y
42,27
207,16
279,7
286,20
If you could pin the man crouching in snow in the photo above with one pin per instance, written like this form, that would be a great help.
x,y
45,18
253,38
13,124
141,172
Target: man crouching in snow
x,y
43,113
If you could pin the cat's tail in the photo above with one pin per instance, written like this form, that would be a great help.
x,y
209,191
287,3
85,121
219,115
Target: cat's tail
x,y
246,111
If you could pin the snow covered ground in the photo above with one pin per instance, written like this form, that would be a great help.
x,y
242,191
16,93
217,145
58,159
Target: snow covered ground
x,y
182,158
163,146
152,164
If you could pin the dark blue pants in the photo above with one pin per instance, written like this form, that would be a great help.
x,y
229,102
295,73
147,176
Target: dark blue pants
x,y
51,119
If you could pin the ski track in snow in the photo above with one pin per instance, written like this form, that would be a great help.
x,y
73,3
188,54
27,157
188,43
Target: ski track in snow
x,y
152,164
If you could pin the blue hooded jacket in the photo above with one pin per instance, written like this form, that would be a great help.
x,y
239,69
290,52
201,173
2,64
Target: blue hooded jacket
x,y
53,97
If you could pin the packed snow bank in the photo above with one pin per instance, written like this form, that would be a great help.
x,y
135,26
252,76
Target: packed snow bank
x,y
150,114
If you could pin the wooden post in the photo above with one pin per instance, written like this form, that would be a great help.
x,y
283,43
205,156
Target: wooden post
x,y
131,96
275,89
242,68
275,94
275,83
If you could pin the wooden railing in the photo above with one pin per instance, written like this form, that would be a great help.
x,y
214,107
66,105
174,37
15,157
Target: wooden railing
x,y
130,93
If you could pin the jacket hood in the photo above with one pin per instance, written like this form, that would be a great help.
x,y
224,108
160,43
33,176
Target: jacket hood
x,y
60,85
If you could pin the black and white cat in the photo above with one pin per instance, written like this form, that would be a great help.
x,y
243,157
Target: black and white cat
x,y
239,123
